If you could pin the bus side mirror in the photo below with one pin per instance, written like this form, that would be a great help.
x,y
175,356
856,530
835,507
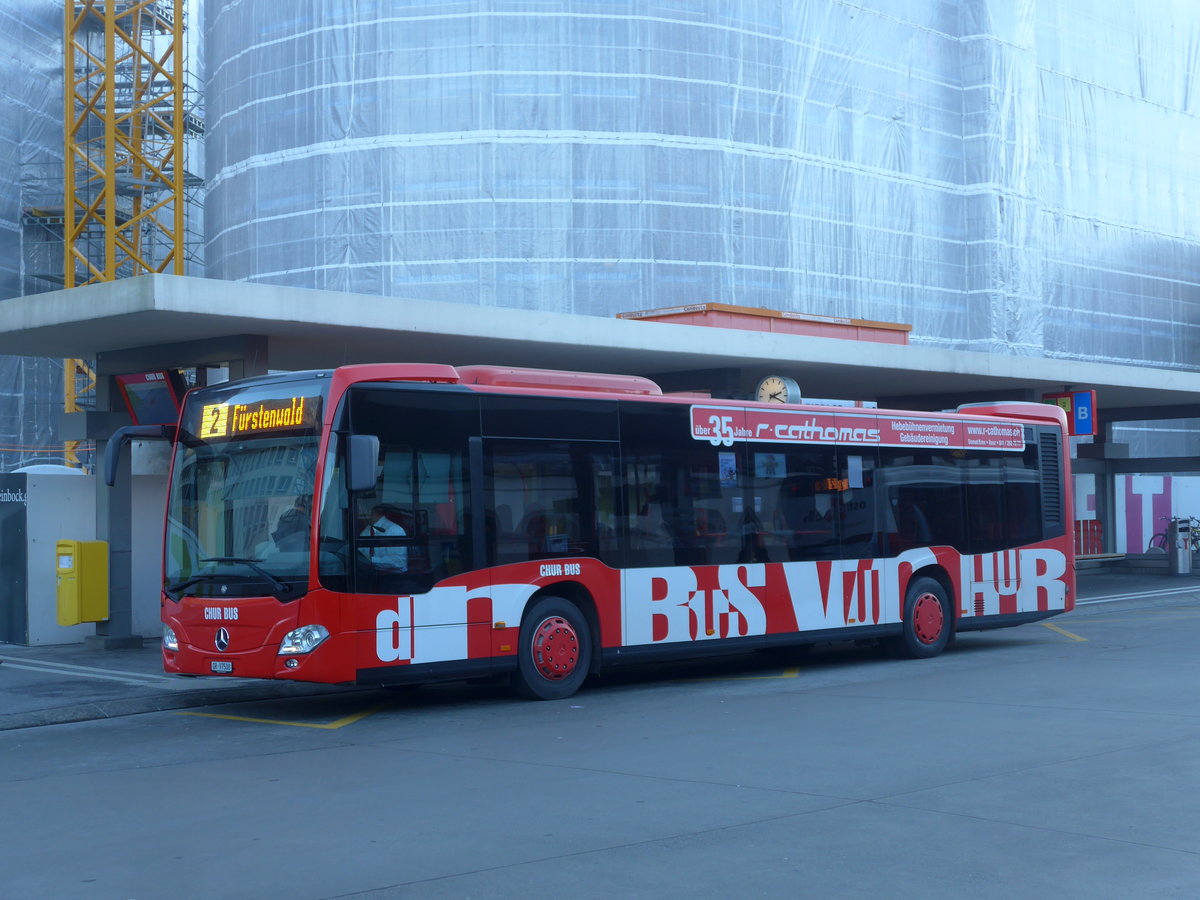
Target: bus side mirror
x,y
122,436
362,455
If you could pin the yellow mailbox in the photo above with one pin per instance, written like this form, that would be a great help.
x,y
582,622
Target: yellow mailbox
x,y
82,570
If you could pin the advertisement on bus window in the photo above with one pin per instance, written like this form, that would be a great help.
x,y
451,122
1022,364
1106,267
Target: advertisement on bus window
x,y
722,425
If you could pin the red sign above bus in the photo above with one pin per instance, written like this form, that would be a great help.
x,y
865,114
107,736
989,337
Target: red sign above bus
x,y
723,425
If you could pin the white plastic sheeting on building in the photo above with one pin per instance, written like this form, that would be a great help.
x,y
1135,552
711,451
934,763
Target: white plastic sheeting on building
x,y
1005,175
31,126
31,141
31,400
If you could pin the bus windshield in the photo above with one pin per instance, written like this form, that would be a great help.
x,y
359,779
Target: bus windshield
x,y
240,500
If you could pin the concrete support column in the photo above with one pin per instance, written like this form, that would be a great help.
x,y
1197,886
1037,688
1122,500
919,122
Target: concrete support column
x,y
114,520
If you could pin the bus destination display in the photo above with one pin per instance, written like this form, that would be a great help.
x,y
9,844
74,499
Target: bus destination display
x,y
230,420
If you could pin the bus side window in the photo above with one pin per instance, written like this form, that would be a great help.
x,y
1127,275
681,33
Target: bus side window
x,y
1023,497
806,517
985,509
548,499
793,503
922,495
1003,499
333,561
912,525
1023,505
410,531
858,507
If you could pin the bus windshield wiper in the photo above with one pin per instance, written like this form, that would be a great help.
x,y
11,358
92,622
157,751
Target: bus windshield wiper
x,y
277,586
185,437
172,589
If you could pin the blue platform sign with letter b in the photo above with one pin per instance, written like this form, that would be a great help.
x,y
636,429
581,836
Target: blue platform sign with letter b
x,y
1083,412
1080,407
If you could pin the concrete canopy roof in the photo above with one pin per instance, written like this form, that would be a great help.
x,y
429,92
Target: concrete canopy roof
x,y
318,329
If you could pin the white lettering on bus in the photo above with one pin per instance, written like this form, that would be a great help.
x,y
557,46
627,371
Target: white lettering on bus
x,y
432,627
666,605
837,593
1041,577
811,431
218,613
553,570
1012,581
394,633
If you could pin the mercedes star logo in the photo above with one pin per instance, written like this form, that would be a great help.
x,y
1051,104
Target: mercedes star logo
x,y
222,641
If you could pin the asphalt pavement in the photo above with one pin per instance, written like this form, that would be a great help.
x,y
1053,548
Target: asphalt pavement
x,y
54,684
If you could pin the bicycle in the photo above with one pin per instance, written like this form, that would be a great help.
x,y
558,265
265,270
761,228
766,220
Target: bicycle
x,y
1161,542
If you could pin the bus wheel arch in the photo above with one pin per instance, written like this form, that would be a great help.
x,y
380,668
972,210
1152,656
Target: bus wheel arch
x,y
942,577
929,615
556,646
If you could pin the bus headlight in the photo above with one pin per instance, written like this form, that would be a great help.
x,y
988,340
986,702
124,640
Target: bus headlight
x,y
303,640
170,642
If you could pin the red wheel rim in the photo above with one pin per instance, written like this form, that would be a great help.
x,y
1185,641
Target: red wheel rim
x,y
555,648
928,618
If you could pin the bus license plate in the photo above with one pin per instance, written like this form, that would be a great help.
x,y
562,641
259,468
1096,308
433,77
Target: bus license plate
x,y
221,667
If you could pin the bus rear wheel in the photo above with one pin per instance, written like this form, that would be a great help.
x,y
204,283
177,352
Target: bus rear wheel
x,y
554,652
928,620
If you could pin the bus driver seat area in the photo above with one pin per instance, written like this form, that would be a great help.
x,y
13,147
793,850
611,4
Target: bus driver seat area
x,y
385,521
291,530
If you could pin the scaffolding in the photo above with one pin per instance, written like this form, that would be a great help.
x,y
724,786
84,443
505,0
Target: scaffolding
x,y
126,199
79,393
127,188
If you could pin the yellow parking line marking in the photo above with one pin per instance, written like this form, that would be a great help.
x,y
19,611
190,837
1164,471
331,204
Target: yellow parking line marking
x,y
339,723
786,673
1062,631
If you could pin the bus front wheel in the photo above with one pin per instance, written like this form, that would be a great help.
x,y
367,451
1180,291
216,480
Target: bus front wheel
x,y
928,620
554,652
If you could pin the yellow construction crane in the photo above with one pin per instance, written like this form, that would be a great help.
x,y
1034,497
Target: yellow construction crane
x,y
125,130
79,380
123,161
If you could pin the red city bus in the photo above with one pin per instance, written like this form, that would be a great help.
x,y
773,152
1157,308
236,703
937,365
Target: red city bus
x,y
388,524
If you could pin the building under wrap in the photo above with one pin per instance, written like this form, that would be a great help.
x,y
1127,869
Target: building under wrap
x,y
32,194
1005,175
1012,176
31,148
